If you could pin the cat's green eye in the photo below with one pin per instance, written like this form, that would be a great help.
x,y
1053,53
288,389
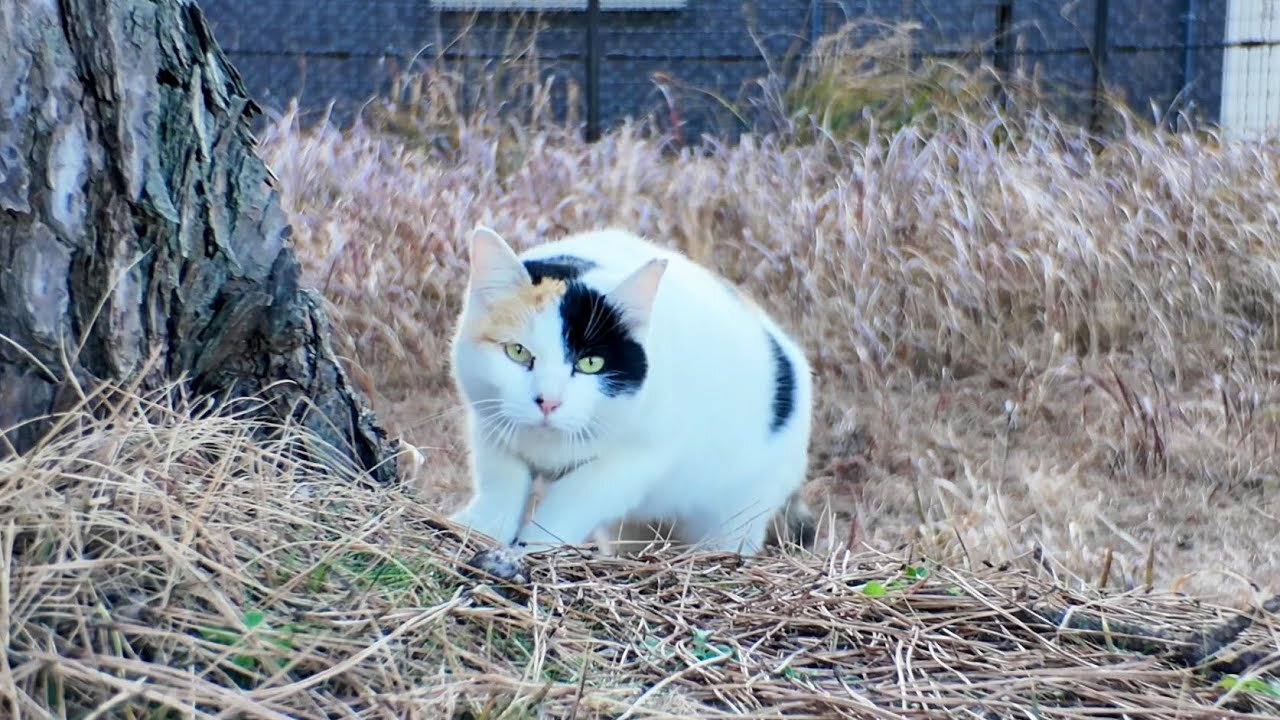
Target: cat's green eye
x,y
518,353
590,365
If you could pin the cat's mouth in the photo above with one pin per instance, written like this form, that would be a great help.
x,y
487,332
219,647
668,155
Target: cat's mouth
x,y
545,426
550,429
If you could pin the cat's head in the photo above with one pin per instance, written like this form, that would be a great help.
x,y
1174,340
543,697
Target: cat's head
x,y
542,349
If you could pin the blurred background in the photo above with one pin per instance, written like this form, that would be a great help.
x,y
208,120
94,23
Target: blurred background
x,y
696,66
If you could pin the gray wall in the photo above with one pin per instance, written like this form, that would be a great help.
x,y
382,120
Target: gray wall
x,y
347,51
1145,48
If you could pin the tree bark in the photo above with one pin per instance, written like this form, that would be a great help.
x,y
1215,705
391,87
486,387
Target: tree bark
x,y
141,239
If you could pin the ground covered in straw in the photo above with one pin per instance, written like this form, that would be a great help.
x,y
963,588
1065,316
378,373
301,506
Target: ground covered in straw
x,y
165,564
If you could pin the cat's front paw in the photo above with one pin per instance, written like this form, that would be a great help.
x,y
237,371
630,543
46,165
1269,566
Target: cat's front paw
x,y
466,520
476,519
501,563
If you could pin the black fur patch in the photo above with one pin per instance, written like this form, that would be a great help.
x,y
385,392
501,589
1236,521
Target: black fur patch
x,y
784,386
560,267
594,327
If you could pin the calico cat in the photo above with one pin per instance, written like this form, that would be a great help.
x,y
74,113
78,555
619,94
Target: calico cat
x,y
639,383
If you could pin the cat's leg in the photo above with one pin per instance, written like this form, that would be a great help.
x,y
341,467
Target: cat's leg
x,y
502,483
728,530
596,493
740,522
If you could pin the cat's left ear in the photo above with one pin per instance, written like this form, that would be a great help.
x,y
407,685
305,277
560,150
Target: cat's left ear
x,y
634,296
495,267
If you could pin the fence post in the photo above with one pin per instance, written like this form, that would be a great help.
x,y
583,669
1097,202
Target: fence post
x,y
815,22
592,57
1100,14
1189,18
1003,49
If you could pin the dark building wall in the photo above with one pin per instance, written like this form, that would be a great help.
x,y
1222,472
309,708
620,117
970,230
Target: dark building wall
x,y
334,49
1150,51
945,26
346,51
1145,49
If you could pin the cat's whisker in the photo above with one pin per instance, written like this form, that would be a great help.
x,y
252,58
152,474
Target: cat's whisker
x,y
495,428
580,438
505,433
597,307
512,429
487,432
590,330
595,429
484,405
453,409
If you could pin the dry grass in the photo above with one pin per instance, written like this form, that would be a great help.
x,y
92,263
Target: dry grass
x,y
1041,368
160,563
873,70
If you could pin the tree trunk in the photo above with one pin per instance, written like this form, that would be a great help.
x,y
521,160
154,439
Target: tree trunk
x,y
140,237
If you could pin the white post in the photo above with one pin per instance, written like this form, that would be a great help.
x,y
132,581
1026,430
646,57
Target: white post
x,y
1251,69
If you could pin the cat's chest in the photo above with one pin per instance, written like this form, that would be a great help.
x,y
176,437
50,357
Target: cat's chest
x,y
551,454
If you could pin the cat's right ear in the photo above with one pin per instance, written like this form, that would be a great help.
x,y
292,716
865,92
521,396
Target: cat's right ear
x,y
635,294
495,268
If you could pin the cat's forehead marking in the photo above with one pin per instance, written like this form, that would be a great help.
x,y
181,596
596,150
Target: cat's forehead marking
x,y
508,314
561,267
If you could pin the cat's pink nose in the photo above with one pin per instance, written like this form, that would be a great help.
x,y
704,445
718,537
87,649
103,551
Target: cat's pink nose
x,y
546,404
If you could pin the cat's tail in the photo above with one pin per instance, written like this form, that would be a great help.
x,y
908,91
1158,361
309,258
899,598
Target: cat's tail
x,y
793,525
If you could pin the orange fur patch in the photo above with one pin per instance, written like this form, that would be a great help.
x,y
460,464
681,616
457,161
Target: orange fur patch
x,y
506,315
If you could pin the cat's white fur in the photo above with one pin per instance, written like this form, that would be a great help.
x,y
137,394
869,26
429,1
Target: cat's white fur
x,y
692,445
